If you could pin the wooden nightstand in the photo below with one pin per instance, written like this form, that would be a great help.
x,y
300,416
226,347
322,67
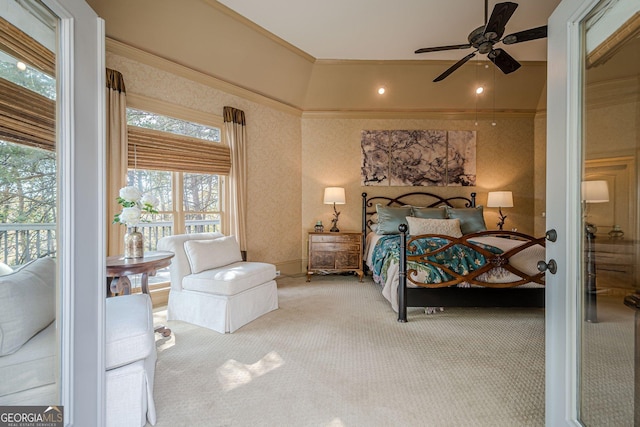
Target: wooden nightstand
x,y
335,253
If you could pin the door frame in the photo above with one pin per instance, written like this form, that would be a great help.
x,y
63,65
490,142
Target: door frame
x,y
567,52
564,166
80,136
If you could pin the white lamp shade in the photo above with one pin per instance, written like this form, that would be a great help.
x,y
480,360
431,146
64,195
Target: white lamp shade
x,y
500,199
334,195
595,191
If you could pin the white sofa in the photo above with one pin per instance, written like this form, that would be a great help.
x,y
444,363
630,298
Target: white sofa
x,y
28,334
211,286
28,350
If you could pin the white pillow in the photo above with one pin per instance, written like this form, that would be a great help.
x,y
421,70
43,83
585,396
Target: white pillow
x,y
448,227
27,303
209,254
5,269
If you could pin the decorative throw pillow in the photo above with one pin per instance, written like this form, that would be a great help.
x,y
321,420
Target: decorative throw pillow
x,y
209,254
27,303
471,219
5,269
389,218
434,213
448,227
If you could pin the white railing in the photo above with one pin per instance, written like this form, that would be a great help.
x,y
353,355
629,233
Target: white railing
x,y
21,243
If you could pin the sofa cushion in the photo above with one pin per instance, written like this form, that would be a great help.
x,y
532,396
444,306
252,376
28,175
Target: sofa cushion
x,y
33,366
27,303
129,329
180,263
231,279
209,254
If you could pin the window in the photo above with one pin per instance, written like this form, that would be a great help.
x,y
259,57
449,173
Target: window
x,y
176,160
28,179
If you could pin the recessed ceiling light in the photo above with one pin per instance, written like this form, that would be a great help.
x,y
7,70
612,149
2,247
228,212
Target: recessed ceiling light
x,y
381,90
479,90
21,66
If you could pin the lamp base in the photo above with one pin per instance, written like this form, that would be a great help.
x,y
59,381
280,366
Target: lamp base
x,y
501,218
334,221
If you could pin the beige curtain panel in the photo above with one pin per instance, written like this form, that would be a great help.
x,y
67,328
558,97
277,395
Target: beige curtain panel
x,y
236,138
156,150
116,135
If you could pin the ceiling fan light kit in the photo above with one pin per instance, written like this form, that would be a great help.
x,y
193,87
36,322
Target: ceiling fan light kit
x,y
483,39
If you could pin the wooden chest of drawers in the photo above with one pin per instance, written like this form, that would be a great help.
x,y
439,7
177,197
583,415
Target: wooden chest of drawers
x,y
616,261
335,253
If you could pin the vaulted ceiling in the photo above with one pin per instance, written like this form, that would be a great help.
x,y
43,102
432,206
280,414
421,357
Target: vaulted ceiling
x,y
389,30
332,55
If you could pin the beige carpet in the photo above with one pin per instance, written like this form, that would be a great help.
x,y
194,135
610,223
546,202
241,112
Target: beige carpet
x,y
608,365
334,355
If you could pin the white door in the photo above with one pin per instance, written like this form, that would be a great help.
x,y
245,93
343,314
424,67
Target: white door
x,y
586,126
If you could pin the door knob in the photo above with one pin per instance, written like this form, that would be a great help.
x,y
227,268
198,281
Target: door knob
x,y
551,235
551,266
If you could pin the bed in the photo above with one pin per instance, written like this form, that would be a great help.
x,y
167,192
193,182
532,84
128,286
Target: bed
x,y
456,263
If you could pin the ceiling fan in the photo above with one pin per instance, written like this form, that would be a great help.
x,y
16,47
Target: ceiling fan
x,y
485,37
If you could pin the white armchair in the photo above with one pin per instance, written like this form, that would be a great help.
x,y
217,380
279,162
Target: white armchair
x,y
211,286
130,361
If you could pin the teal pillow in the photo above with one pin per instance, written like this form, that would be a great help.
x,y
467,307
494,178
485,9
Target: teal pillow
x,y
429,213
389,218
471,219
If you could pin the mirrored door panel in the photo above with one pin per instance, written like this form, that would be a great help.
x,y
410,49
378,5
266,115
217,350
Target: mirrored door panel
x,y
610,239
29,285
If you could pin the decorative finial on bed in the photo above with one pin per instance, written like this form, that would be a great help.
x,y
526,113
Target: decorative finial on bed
x,y
334,195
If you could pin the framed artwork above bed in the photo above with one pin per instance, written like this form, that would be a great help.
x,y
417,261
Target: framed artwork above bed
x,y
418,158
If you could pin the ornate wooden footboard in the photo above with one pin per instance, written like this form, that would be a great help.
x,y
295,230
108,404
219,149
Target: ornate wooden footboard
x,y
445,293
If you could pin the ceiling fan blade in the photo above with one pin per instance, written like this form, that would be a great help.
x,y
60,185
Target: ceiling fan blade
x,y
526,35
503,60
501,14
454,67
439,48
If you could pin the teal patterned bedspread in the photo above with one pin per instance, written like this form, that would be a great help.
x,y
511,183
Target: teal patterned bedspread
x,y
458,258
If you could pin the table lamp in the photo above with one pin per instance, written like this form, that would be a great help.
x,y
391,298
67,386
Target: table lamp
x,y
336,196
500,199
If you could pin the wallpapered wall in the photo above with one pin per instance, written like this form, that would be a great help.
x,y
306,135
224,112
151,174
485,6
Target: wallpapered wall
x,y
274,188
292,159
331,157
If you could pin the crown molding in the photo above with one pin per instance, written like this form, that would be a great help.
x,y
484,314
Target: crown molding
x,y
426,62
419,114
122,49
